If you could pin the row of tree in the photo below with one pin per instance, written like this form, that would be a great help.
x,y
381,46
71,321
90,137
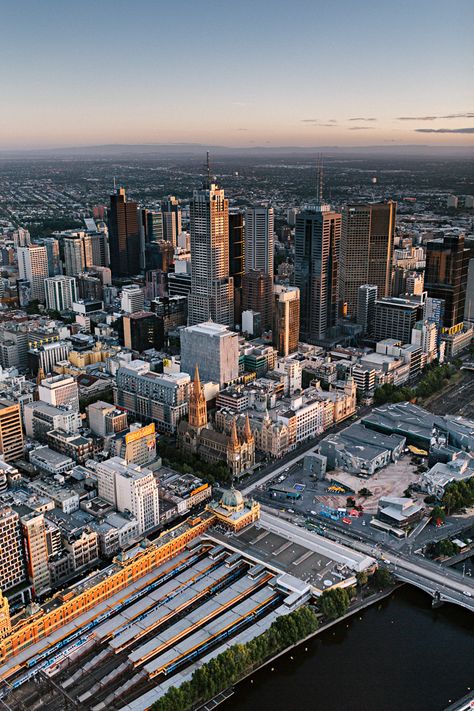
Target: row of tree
x,y
434,379
230,666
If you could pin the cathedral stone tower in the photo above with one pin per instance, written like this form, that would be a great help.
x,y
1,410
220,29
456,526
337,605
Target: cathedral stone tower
x,y
197,405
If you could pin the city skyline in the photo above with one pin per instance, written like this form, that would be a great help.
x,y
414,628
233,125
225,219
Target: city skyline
x,y
300,74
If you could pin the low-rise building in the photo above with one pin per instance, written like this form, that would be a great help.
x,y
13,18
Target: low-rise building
x,y
399,512
459,468
360,451
48,461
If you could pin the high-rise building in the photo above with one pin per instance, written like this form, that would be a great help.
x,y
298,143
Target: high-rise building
x,y
132,299
236,259
257,296
366,250
259,231
54,258
36,552
317,238
286,319
11,431
84,249
395,318
366,298
33,266
447,262
142,330
214,349
60,292
469,305
59,390
130,487
212,292
124,235
171,219
152,221
12,565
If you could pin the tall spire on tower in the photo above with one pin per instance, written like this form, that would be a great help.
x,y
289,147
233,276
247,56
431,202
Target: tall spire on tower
x,y
207,181
319,179
234,438
248,436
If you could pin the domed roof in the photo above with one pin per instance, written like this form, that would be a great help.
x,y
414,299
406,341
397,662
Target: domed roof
x,y
231,498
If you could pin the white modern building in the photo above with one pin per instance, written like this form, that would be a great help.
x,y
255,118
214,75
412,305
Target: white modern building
x,y
60,292
33,266
129,487
132,299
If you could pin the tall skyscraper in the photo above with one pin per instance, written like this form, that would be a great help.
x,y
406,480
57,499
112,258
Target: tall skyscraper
x,y
83,250
171,219
366,250
33,266
124,235
286,319
317,239
237,259
447,262
212,288
259,230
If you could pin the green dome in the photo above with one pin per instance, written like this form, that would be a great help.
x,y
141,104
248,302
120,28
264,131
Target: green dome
x,y
232,498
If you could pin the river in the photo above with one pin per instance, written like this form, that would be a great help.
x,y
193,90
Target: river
x,y
399,655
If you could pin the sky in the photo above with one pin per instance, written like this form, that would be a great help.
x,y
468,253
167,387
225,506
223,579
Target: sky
x,y
236,72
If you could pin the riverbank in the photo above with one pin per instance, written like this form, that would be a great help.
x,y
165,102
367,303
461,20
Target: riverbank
x,y
397,654
363,604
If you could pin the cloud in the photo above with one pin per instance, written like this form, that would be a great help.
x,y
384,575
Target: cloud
x,y
444,130
316,122
361,128
239,103
360,118
467,114
241,129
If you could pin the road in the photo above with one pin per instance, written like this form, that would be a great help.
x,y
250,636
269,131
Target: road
x,y
431,577
275,468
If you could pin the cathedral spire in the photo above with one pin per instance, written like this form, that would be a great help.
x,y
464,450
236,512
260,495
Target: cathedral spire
x,y
197,404
234,438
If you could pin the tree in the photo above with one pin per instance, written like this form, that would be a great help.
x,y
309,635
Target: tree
x,y
437,514
334,603
362,578
382,578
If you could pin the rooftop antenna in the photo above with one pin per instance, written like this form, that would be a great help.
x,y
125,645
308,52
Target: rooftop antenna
x,y
208,171
319,179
